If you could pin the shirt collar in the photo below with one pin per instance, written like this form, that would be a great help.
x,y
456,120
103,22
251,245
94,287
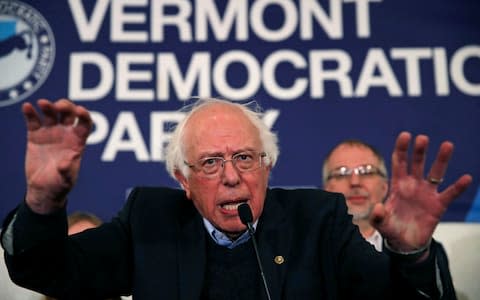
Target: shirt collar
x,y
376,240
222,239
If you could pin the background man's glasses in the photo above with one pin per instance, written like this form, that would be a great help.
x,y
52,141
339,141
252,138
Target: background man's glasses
x,y
243,162
364,171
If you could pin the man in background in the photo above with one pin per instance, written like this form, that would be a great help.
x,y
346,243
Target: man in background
x,y
79,221
357,170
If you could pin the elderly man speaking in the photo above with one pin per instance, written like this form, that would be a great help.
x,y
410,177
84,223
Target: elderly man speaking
x,y
191,243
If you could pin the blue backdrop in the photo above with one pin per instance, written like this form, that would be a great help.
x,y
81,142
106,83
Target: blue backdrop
x,y
324,71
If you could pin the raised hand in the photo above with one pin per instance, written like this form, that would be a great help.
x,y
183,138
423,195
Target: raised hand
x,y
55,144
414,205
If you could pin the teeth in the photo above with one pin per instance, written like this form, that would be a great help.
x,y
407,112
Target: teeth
x,y
231,206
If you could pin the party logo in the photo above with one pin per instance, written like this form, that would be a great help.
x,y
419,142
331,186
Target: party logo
x,y
27,51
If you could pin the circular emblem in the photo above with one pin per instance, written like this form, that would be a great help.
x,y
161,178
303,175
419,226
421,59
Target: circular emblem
x,y
279,259
27,51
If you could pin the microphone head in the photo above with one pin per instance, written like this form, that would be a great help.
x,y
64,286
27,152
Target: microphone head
x,y
245,213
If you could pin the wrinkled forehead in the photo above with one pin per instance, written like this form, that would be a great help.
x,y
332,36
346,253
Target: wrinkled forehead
x,y
214,110
218,123
352,156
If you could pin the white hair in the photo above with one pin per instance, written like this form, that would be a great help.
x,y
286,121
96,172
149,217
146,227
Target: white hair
x,y
175,151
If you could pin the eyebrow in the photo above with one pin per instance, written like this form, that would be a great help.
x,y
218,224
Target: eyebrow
x,y
222,154
211,154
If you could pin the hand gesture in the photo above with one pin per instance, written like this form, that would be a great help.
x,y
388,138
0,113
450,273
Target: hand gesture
x,y
55,144
414,205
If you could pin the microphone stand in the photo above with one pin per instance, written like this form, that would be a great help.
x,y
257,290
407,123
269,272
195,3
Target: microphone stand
x,y
245,214
251,233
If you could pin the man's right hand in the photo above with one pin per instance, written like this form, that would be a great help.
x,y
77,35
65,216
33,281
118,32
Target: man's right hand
x,y
55,144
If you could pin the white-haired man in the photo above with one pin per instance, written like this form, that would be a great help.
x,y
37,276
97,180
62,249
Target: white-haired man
x,y
191,244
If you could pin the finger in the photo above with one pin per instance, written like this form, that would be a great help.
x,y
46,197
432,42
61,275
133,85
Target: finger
x,y
49,112
66,109
454,190
377,216
439,166
418,156
84,121
400,156
32,119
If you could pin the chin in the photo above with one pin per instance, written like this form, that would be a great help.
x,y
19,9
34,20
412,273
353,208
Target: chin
x,y
360,215
233,228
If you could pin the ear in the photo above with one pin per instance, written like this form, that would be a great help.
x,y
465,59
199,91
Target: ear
x,y
268,167
327,187
183,182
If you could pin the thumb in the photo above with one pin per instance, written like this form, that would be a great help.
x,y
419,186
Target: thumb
x,y
377,216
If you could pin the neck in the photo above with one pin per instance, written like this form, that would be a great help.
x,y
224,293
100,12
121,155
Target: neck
x,y
233,235
365,228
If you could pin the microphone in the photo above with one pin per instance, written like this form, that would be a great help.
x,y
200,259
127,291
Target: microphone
x,y
245,214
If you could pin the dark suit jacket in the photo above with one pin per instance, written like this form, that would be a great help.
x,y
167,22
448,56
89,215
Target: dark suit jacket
x,y
155,249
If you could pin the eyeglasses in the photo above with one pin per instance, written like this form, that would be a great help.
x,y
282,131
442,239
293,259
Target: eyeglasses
x,y
247,161
364,171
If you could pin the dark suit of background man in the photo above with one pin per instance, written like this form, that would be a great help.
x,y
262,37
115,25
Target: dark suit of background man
x,y
191,244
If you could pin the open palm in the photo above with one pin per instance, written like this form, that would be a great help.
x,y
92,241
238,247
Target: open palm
x,y
414,205
55,144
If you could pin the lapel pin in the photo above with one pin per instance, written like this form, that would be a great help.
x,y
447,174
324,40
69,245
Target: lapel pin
x,y
279,259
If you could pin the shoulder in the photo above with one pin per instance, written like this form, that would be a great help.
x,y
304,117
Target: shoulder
x,y
146,193
306,198
161,203
306,205
310,217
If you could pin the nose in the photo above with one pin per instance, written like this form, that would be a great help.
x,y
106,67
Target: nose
x,y
230,174
354,179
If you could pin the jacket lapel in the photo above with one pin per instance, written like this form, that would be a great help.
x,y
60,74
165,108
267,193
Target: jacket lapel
x,y
192,256
274,243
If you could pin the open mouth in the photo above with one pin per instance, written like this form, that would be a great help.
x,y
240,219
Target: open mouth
x,y
232,206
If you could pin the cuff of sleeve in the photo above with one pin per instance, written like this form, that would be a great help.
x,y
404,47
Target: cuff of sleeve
x,y
31,229
421,276
407,257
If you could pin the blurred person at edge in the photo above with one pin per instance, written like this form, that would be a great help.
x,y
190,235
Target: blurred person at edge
x,y
78,221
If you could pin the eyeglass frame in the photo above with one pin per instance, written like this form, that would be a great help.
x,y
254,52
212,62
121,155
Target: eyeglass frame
x,y
347,172
221,167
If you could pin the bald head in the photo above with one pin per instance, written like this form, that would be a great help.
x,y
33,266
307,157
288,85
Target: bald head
x,y
200,124
207,114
